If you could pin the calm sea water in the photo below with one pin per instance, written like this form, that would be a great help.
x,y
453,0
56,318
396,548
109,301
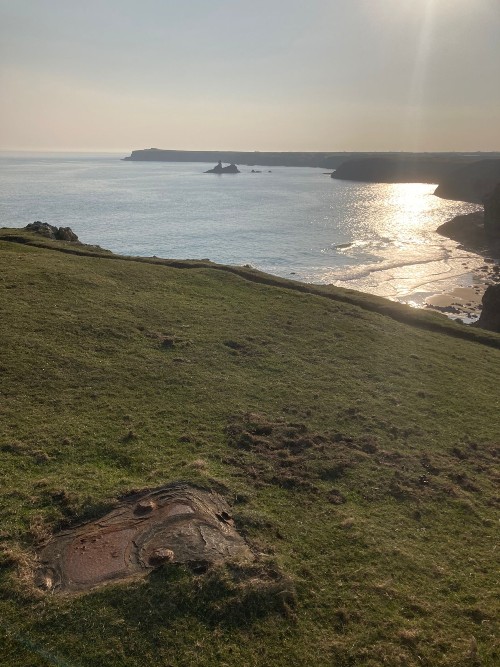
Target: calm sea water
x,y
292,222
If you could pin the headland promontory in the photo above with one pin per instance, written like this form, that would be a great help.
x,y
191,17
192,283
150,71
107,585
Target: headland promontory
x,y
362,166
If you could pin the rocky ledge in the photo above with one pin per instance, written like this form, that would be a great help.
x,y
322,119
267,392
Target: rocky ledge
x,y
52,232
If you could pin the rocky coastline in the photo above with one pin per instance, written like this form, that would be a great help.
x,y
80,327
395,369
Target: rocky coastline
x,y
478,232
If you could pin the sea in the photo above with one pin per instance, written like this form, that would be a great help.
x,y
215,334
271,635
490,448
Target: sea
x,y
292,222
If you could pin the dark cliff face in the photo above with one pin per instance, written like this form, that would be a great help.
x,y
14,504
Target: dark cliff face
x,y
492,213
472,183
490,315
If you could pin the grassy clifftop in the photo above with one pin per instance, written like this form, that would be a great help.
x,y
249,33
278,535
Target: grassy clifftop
x,y
354,438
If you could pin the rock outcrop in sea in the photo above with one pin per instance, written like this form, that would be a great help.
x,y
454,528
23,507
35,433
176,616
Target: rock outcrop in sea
x,y
219,169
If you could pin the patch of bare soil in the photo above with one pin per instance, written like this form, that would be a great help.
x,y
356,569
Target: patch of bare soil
x,y
174,524
289,454
292,456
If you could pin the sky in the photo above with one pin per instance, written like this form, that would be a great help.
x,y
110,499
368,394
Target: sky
x,y
268,75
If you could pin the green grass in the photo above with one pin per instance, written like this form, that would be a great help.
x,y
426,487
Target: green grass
x,y
372,490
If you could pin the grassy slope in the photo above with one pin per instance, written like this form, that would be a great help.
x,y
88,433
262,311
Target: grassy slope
x,y
95,404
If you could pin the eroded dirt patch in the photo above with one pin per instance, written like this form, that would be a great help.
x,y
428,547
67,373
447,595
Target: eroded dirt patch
x,y
289,454
176,524
273,451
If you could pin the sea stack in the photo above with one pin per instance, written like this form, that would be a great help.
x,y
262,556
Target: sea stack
x,y
219,169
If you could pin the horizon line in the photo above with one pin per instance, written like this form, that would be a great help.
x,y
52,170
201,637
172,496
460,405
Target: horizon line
x,y
232,150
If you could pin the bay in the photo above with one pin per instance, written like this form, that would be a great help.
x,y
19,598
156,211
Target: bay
x,y
292,222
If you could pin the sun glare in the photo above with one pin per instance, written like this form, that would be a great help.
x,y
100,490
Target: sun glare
x,y
408,205
416,97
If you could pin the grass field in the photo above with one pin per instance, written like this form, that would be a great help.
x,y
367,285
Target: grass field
x,y
355,440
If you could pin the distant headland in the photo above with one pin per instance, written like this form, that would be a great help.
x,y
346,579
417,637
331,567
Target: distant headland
x,y
424,166
247,158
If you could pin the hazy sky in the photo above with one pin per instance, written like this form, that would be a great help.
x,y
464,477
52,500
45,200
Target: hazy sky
x,y
250,74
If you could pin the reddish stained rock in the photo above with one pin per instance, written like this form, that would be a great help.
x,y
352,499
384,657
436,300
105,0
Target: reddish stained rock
x,y
176,523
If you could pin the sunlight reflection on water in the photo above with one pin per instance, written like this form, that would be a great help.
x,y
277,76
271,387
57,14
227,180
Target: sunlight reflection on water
x,y
292,222
397,253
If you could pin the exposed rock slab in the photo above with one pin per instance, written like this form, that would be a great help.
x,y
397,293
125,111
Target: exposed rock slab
x,y
177,523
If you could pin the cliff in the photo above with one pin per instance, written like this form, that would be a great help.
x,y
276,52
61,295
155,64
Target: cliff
x,y
492,213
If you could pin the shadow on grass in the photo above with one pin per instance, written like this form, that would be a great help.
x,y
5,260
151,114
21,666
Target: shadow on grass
x,y
227,598
232,596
